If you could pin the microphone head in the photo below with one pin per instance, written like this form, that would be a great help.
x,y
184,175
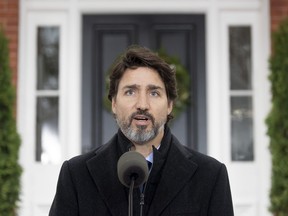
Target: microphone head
x,y
132,164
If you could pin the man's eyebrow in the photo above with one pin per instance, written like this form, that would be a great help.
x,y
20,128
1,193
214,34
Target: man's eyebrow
x,y
149,87
133,86
154,87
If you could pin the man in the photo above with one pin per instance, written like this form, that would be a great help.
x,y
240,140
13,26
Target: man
x,y
181,181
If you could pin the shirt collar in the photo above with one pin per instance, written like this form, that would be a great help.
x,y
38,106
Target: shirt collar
x,y
150,156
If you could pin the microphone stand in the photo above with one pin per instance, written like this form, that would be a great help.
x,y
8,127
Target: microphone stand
x,y
141,203
132,171
130,205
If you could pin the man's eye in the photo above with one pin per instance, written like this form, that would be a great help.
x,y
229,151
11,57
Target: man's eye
x,y
154,93
129,92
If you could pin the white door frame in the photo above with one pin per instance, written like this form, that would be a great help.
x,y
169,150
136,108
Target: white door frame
x,y
68,15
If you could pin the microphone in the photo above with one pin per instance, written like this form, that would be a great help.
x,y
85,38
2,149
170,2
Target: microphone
x,y
132,168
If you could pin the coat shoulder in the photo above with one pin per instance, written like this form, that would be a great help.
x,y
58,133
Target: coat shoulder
x,y
81,160
202,160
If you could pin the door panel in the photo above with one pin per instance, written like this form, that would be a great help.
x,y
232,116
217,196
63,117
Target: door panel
x,y
106,36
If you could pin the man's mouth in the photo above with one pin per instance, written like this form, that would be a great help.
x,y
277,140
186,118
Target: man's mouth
x,y
141,118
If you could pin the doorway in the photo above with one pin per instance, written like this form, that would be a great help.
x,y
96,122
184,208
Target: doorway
x,y
106,36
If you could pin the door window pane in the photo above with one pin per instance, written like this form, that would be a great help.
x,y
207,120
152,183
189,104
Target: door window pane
x,y
47,91
242,128
241,92
240,57
47,130
48,58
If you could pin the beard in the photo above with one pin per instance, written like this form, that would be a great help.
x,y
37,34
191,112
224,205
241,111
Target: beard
x,y
140,134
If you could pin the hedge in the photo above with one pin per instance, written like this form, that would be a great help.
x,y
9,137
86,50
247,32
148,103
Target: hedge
x,y
277,121
10,170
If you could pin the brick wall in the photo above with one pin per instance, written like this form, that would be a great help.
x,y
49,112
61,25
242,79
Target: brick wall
x,y
9,14
278,11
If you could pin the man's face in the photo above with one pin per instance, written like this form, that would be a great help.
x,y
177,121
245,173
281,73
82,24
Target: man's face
x,y
141,105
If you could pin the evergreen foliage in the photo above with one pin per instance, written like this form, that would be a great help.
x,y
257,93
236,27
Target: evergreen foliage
x,y
277,121
10,170
183,82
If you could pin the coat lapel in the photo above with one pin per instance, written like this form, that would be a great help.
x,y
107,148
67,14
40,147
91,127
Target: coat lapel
x,y
103,169
178,170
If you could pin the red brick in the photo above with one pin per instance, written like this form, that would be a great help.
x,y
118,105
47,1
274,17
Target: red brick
x,y
9,15
278,12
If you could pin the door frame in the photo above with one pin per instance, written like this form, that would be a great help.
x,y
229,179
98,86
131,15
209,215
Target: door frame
x,y
72,13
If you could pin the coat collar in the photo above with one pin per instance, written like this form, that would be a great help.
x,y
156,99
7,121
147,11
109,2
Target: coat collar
x,y
103,169
177,170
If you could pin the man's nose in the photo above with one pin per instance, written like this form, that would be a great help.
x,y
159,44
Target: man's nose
x,y
143,102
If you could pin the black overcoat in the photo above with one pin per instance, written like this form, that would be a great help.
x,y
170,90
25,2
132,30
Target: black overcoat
x,y
181,182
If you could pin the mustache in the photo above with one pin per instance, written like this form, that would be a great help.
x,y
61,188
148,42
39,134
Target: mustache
x,y
144,113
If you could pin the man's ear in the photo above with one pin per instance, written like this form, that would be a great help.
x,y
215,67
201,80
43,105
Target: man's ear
x,y
170,107
113,105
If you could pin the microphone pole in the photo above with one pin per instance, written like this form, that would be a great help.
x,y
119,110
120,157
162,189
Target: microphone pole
x,y
132,171
130,205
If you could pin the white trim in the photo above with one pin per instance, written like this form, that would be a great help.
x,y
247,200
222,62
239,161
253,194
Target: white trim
x,y
25,197
213,77
241,92
74,82
263,105
149,6
48,93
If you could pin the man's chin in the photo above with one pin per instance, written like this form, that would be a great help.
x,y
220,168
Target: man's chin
x,y
141,127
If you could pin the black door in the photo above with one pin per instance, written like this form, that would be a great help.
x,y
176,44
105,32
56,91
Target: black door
x,y
106,36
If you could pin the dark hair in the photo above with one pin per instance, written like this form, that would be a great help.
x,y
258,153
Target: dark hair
x,y
137,56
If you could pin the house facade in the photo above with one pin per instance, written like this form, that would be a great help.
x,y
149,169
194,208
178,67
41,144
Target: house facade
x,y
60,52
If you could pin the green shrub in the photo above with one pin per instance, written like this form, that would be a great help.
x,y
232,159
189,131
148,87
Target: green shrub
x,y
277,121
10,170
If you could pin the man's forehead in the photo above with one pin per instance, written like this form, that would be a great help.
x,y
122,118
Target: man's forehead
x,y
142,74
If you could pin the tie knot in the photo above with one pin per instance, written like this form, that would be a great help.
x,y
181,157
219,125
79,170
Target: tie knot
x,y
149,164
